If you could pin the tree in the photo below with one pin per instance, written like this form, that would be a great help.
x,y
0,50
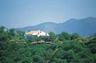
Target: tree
x,y
4,37
2,29
74,36
92,43
52,36
64,36
12,32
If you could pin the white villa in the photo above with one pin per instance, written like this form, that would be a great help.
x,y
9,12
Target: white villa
x,y
38,33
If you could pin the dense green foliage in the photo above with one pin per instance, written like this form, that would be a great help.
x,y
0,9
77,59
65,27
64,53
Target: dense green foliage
x,y
15,47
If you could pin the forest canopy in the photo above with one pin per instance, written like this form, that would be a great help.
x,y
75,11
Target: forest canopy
x,y
16,47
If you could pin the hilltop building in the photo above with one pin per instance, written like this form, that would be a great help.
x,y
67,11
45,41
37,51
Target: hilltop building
x,y
38,33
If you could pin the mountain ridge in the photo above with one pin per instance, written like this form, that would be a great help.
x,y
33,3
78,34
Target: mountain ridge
x,y
83,26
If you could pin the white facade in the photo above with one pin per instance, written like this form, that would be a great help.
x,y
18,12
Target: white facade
x,y
38,33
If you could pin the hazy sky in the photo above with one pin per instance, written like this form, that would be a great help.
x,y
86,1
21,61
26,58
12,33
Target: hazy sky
x,y
21,13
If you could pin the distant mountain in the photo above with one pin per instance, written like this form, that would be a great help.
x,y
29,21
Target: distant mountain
x,y
84,26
